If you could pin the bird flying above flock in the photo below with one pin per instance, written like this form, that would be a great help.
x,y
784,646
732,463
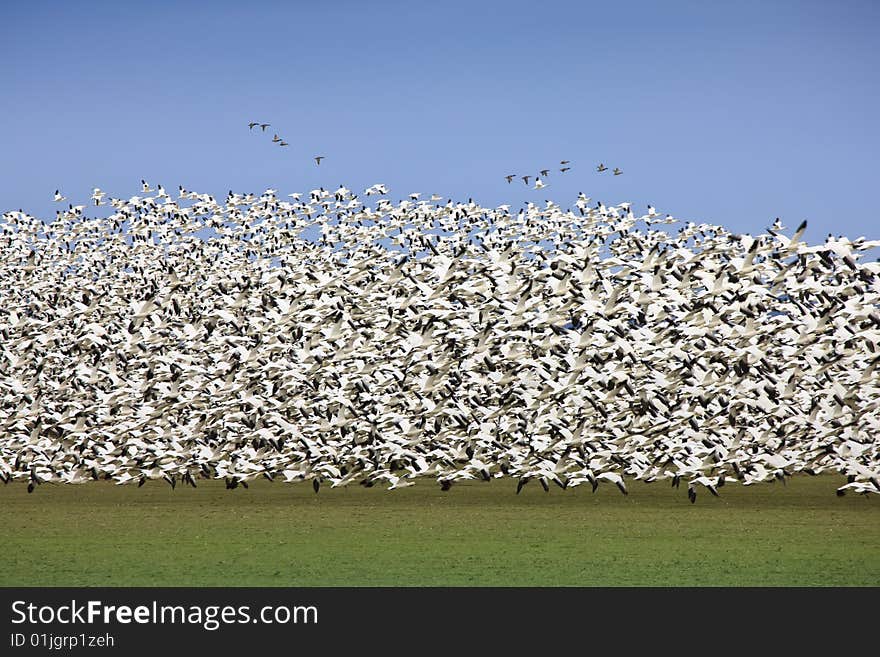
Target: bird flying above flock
x,y
544,173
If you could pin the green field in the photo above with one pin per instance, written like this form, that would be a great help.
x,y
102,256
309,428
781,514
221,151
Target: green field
x,y
476,534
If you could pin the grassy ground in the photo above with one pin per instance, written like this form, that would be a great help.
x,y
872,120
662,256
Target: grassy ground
x,y
476,534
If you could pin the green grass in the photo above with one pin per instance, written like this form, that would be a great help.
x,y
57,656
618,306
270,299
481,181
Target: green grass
x,y
476,534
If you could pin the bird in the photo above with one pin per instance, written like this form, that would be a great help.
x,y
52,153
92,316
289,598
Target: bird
x,y
276,138
710,485
615,479
318,159
539,184
617,171
145,187
564,162
283,143
545,172
58,197
252,124
525,179
564,169
601,168
263,126
509,177
777,225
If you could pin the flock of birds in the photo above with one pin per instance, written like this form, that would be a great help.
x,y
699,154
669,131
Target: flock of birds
x,y
539,182
194,337
544,173
276,139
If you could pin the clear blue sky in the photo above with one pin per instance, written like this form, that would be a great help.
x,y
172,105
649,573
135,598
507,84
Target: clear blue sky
x,y
732,112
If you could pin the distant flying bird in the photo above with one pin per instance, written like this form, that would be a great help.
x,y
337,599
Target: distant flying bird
x,y
564,169
283,143
601,168
617,171
525,179
539,184
264,126
544,172
777,225
252,124
276,138
563,162
58,197
510,177
145,187
318,159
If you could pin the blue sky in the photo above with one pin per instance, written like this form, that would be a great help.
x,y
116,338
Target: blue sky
x,y
726,112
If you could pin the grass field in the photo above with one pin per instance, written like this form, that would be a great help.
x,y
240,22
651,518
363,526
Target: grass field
x,y
476,534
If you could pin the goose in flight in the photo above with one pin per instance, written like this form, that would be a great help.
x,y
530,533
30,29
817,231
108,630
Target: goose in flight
x,y
58,197
263,126
539,184
710,485
526,179
617,171
564,162
601,167
777,225
510,177
145,187
283,143
564,169
252,124
615,479
545,172
276,139
318,159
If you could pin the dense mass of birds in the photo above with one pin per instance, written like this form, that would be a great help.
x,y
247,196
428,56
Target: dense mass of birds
x,y
275,140
337,339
